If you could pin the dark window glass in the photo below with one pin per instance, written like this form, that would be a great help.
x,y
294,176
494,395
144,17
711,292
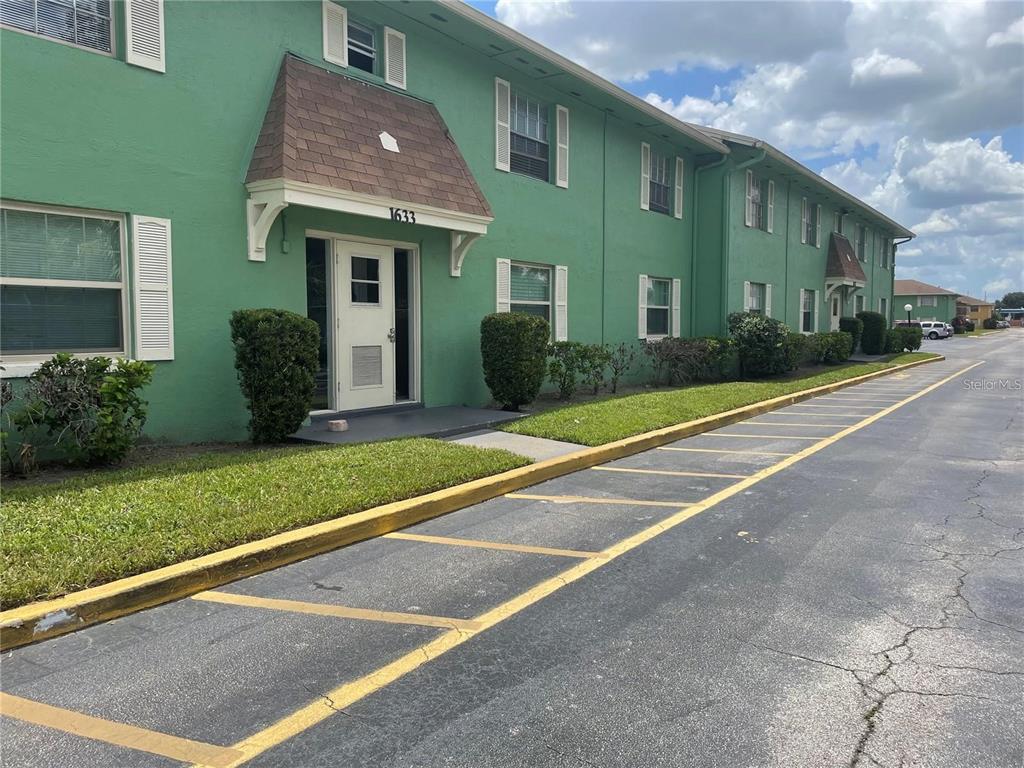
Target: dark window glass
x,y
529,136
540,310
40,320
657,322
661,184
362,48
365,269
317,296
365,293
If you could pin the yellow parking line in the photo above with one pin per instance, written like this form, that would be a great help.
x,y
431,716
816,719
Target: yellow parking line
x,y
595,500
673,472
338,611
456,542
119,734
348,693
762,437
720,450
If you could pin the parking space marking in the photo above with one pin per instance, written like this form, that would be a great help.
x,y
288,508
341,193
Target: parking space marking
x,y
858,407
338,611
672,472
596,500
118,734
456,542
720,450
848,399
349,693
787,424
762,437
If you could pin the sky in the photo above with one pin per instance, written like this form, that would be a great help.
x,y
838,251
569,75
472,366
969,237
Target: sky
x,y
915,107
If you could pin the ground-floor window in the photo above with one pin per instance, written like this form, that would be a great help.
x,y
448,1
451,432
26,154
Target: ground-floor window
x,y
659,304
807,304
61,282
531,290
756,298
858,303
883,307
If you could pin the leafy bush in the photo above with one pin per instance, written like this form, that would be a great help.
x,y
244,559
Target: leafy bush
x,y
681,361
959,329
832,347
873,338
853,326
620,362
514,347
566,363
595,361
760,342
277,355
903,339
989,323
799,350
89,409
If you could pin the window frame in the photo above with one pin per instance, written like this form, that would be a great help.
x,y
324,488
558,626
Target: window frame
x,y
25,364
927,301
761,290
350,22
550,303
668,185
667,307
112,26
860,247
543,109
812,224
804,311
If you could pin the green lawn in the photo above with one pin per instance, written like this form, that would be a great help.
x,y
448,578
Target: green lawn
x,y
60,537
603,421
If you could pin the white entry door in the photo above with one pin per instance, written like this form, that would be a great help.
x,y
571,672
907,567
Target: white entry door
x,y
365,316
837,309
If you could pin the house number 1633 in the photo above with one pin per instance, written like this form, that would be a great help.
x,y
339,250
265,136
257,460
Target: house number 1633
x,y
403,214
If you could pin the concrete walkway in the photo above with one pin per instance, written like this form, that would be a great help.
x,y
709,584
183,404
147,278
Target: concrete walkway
x,y
536,448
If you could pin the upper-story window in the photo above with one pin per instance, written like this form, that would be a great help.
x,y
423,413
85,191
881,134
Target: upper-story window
x,y
837,222
810,223
87,23
661,184
529,136
860,236
760,203
362,47
884,244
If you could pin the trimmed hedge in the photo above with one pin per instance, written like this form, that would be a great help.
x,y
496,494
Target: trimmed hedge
x,y
873,338
514,348
797,347
681,361
761,343
903,339
277,355
853,326
831,347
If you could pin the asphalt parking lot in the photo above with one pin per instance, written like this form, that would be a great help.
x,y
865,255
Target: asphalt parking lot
x,y
839,582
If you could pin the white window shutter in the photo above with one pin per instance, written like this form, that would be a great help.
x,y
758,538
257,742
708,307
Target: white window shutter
x,y
394,58
645,181
746,295
562,146
677,290
335,23
144,33
803,219
800,315
154,304
748,209
641,328
768,300
680,168
817,226
502,121
504,285
816,305
771,206
561,303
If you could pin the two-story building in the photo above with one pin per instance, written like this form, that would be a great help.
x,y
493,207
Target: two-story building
x,y
393,170
928,302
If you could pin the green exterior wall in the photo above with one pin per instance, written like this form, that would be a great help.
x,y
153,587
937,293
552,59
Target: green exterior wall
x,y
944,309
85,130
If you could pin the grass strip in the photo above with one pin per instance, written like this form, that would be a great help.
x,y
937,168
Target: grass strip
x,y
60,537
614,418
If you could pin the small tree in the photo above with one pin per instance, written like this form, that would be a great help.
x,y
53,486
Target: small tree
x,y
620,362
872,340
513,347
277,355
566,363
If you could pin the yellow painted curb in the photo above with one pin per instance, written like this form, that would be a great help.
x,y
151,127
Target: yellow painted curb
x,y
50,618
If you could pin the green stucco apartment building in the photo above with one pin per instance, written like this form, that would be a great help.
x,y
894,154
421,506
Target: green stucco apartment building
x,y
395,171
928,302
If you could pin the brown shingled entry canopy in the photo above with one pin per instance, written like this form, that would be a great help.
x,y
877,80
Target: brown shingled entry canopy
x,y
342,144
843,266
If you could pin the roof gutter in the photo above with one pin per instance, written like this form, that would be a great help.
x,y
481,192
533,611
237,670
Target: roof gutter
x,y
481,19
726,229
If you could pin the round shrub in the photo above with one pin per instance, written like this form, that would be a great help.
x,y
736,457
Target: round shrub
x,y
761,343
277,355
853,326
873,338
989,323
799,350
832,347
514,351
903,339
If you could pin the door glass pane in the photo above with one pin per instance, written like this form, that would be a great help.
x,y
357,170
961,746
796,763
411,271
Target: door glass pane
x,y
365,293
365,269
46,320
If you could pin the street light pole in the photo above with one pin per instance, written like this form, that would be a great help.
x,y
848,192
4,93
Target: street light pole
x,y
908,307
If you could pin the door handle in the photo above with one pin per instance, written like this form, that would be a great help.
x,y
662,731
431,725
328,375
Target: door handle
x,y
391,335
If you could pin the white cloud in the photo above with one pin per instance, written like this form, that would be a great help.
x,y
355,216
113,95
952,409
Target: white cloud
x,y
881,66
1014,35
532,14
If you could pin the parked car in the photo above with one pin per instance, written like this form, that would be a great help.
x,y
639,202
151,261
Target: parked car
x,y
908,324
1002,323
950,331
933,329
